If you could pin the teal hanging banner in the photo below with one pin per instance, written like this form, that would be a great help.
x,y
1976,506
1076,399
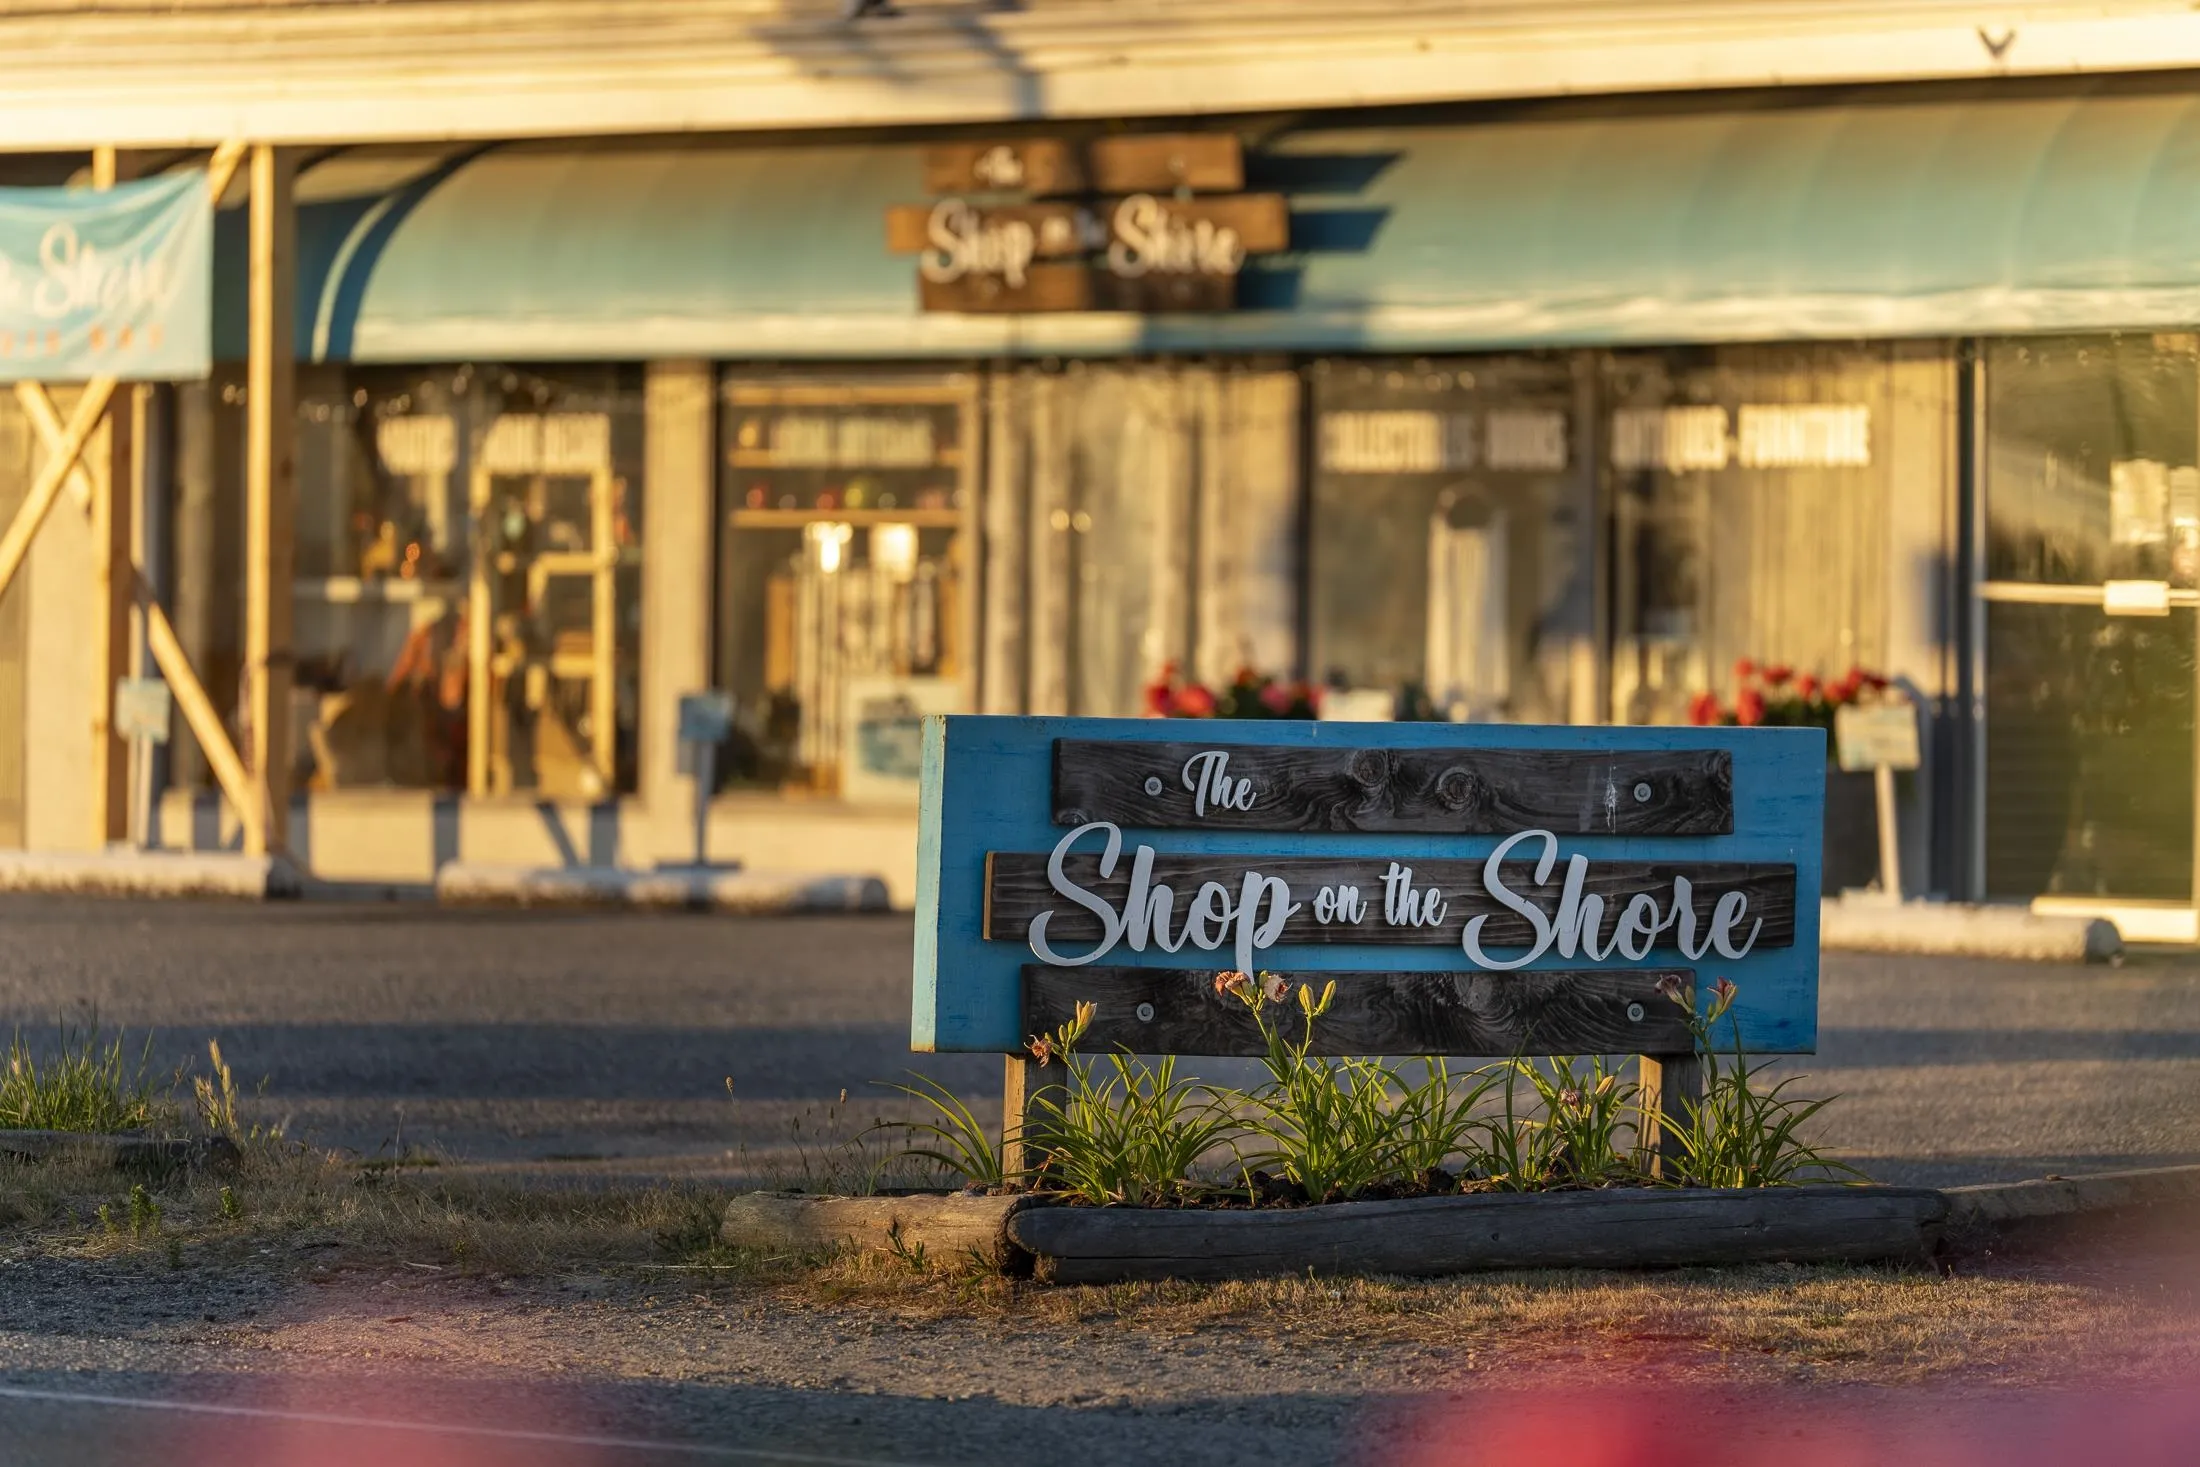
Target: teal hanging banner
x,y
107,283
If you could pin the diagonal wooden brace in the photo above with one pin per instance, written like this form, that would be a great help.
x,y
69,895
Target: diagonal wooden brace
x,y
66,443
61,459
46,418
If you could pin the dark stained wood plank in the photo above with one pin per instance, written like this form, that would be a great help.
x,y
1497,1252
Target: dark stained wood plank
x,y
1048,286
1058,229
1017,889
1163,290
1205,162
1616,1228
1545,1011
1076,286
1447,791
1038,166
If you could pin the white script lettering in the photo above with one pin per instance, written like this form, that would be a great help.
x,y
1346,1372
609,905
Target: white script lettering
x,y
1251,923
1207,776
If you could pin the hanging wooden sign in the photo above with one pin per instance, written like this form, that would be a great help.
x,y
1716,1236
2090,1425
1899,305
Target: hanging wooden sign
x,y
1151,242
1473,889
1141,253
1053,167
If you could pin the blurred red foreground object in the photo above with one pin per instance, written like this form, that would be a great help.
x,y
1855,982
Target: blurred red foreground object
x,y
1594,1427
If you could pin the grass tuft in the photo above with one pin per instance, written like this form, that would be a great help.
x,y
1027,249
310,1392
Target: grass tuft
x,y
87,1083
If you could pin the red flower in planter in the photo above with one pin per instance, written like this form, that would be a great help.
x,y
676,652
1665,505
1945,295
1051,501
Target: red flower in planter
x,y
1193,702
1749,708
1744,670
1161,692
1778,674
1278,698
1806,687
1703,710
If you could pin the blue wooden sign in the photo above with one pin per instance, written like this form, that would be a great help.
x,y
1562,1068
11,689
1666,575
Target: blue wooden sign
x,y
1474,889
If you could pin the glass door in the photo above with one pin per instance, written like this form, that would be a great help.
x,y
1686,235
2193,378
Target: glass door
x,y
2092,559
543,607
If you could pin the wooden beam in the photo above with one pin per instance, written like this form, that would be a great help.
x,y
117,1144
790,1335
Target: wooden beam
x,y
161,638
221,168
1465,1012
270,491
1672,1085
1438,791
51,475
199,713
1019,888
38,406
1023,1140
112,456
1614,1227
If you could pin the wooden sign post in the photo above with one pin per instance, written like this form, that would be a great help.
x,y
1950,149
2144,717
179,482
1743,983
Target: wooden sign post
x,y
1475,890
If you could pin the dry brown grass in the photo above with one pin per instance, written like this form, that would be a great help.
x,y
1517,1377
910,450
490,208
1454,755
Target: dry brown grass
x,y
1880,1324
1884,1324
293,1195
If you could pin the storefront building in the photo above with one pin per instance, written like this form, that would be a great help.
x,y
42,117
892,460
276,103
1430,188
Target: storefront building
x,y
1546,412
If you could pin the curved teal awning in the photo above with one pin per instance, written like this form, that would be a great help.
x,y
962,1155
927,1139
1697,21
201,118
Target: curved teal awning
x,y
1868,219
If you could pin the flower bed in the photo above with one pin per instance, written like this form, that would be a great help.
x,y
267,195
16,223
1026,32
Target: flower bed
x,y
1122,1130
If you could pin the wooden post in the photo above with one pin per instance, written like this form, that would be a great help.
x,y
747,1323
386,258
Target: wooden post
x,y
1022,1081
109,455
148,538
1671,1083
270,493
1890,847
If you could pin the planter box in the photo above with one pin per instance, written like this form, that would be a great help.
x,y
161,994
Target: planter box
x,y
1621,1228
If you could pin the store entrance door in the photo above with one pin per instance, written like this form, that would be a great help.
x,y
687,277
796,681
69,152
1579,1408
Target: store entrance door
x,y
2090,601
542,634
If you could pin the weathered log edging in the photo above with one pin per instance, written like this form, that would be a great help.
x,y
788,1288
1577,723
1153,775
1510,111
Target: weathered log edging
x,y
126,1151
1618,1228
1615,1228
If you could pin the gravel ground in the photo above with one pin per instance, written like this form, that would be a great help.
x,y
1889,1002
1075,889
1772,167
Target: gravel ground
x,y
526,1037
521,1038
758,1374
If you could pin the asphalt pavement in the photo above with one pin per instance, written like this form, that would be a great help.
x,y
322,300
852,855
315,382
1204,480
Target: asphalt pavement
x,y
609,1037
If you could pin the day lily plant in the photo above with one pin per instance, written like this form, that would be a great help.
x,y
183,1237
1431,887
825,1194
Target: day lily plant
x,y
1123,1130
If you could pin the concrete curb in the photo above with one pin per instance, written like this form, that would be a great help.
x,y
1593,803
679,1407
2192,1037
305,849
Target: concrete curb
x,y
946,1226
1996,1204
149,874
754,893
1950,929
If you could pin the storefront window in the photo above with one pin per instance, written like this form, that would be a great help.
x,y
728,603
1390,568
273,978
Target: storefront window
x,y
844,576
1749,494
2094,445
2092,478
1452,553
468,595
1141,516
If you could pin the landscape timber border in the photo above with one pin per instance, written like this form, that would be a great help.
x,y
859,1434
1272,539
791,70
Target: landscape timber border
x,y
1616,1228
